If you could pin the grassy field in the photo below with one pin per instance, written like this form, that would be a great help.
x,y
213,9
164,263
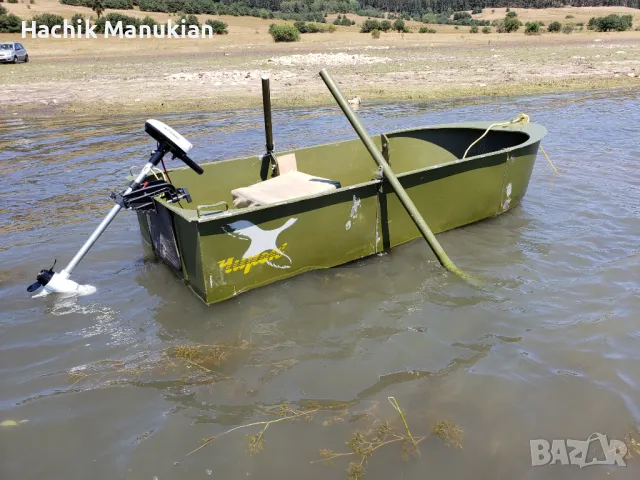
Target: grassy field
x,y
158,75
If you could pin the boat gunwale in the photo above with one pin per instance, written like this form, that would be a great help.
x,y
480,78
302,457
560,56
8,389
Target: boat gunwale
x,y
534,131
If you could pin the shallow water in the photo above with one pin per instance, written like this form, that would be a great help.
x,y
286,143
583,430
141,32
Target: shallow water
x,y
549,348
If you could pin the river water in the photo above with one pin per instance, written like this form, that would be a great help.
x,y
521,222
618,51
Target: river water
x,y
548,349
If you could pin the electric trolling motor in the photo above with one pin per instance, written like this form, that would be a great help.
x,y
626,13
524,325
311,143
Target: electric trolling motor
x,y
138,196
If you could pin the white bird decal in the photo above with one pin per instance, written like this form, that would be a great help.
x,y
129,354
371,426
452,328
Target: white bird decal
x,y
261,240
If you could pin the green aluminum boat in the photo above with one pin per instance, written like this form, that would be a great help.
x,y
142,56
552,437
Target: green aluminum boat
x,y
221,248
243,223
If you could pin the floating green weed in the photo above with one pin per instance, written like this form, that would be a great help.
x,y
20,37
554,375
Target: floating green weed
x,y
449,433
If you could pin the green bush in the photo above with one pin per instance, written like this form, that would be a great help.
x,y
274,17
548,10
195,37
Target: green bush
x,y
511,24
153,6
569,16
76,3
429,18
311,27
218,26
118,4
284,33
346,22
263,13
611,22
76,17
532,28
48,19
474,29
476,11
511,14
375,33
369,25
10,23
385,25
554,27
3,11
324,28
113,18
461,16
174,6
12,1
399,25
149,22
199,6
189,20
567,29
486,30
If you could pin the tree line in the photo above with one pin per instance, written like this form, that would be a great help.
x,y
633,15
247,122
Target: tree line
x,y
372,8
427,11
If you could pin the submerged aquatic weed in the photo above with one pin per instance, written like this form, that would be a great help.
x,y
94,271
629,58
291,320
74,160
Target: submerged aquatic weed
x,y
449,433
372,433
177,360
355,471
363,444
189,352
632,440
255,443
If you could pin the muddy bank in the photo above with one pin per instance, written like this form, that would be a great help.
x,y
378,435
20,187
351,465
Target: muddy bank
x,y
386,72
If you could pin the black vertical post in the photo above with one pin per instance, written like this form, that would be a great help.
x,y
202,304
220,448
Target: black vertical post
x,y
266,103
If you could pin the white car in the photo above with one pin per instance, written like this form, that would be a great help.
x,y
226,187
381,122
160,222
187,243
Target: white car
x,y
13,52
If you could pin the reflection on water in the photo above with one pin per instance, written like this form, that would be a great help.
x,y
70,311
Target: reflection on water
x,y
547,349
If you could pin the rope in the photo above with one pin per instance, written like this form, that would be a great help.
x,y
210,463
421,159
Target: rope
x,y
155,171
520,118
549,160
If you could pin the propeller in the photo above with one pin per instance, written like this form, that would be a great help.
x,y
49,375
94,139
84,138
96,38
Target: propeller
x,y
43,278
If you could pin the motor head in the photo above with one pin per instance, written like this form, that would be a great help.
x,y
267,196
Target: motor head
x,y
173,141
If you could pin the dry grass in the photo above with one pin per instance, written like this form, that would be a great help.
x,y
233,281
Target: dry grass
x,y
156,75
547,15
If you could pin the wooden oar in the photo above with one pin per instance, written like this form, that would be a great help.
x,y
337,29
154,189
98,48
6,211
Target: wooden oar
x,y
413,212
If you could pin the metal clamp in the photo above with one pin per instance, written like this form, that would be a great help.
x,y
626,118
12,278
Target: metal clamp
x,y
209,205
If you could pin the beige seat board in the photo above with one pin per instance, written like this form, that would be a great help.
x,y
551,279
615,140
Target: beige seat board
x,y
284,187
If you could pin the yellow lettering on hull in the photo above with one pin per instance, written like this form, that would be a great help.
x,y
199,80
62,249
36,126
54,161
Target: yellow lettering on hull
x,y
232,265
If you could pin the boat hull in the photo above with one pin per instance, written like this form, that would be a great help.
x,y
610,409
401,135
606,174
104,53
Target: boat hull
x,y
222,255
